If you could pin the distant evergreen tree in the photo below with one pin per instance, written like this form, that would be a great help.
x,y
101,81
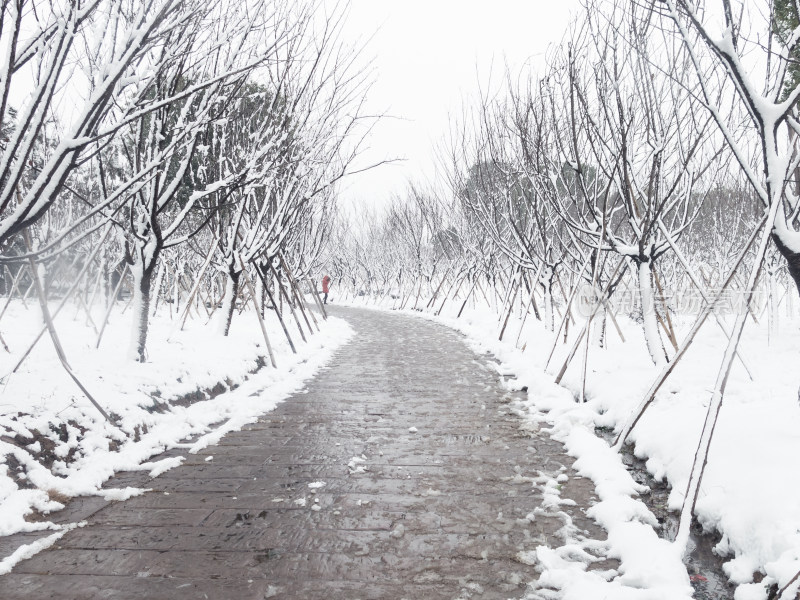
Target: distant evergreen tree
x,y
785,21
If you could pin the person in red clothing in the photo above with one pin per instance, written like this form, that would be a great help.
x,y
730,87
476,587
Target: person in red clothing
x,y
326,283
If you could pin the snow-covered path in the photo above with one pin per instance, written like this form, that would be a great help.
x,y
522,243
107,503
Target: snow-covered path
x,y
401,471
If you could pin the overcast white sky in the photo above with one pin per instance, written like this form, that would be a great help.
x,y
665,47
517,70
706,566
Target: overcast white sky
x,y
429,56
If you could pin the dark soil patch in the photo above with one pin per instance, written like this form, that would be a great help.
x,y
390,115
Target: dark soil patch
x,y
17,472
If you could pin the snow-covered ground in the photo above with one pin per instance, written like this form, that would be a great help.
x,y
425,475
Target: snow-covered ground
x,y
55,444
751,489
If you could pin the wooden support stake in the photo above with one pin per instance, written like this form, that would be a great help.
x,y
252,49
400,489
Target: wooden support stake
x,y
586,325
630,424
88,313
63,303
254,298
197,282
668,328
111,305
436,293
466,299
610,313
298,296
565,322
510,310
14,285
285,296
62,357
524,317
585,367
275,306
315,295
447,295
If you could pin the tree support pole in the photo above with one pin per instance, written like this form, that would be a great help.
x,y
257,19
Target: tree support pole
x,y
111,305
583,332
254,298
298,297
54,337
687,342
197,282
318,302
277,312
285,296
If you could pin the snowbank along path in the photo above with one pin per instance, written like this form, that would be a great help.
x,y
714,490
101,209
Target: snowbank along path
x,y
401,471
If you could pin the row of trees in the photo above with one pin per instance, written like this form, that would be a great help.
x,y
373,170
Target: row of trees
x,y
175,148
657,153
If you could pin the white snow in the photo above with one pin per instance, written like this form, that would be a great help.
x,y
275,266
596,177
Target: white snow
x,y
789,237
355,465
162,466
398,531
120,494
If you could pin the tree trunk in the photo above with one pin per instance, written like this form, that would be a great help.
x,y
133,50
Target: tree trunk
x,y
546,281
142,281
772,308
229,300
157,286
549,317
598,336
650,322
792,258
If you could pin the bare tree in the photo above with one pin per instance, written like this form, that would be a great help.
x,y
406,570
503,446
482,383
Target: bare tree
x,y
754,58
640,153
119,45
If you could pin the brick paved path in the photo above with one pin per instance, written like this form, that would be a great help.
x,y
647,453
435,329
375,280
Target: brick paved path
x,y
442,511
